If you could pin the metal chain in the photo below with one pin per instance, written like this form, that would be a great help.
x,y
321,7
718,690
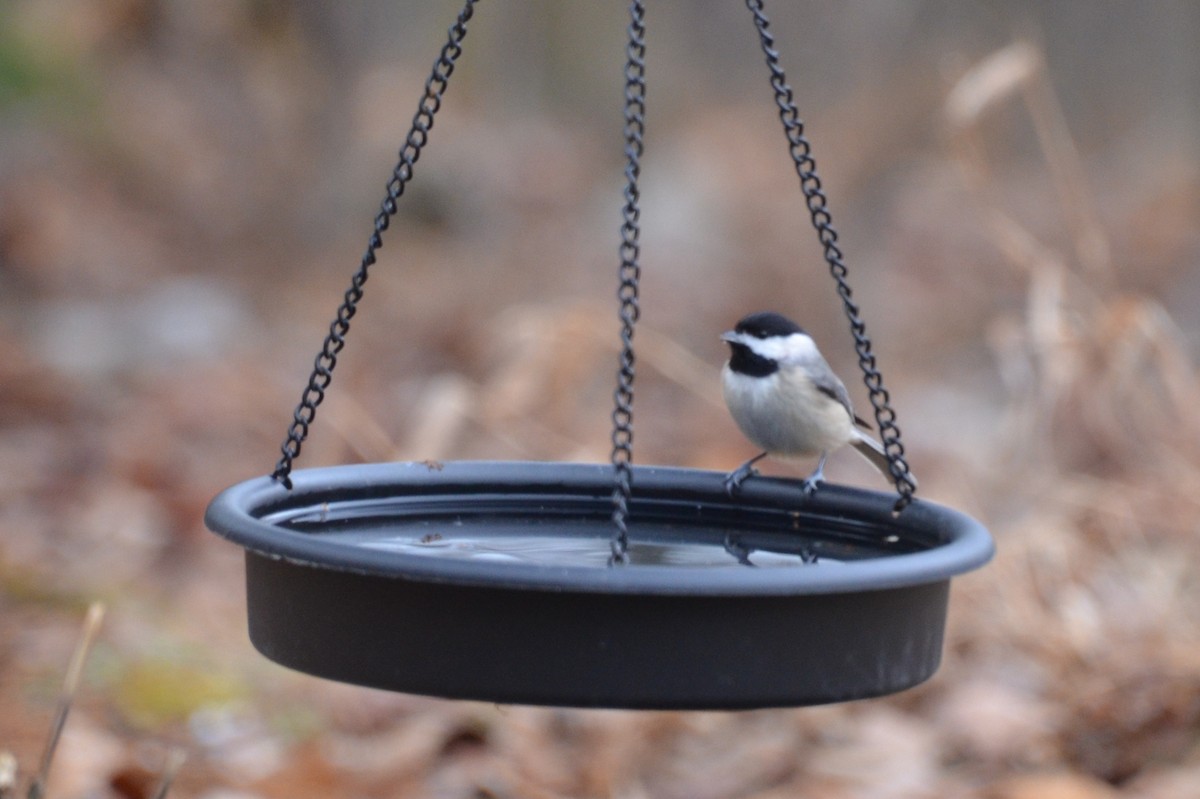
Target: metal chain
x,y
814,197
418,135
630,274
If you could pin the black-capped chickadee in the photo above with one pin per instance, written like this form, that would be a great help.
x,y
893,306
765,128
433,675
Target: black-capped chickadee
x,y
787,400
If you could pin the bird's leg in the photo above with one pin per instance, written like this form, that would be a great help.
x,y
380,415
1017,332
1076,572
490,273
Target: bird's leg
x,y
734,480
816,478
735,547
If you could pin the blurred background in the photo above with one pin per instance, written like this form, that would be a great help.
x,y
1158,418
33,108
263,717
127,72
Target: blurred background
x,y
186,188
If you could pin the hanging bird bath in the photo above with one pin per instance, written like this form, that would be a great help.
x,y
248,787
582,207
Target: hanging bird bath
x,y
490,581
595,585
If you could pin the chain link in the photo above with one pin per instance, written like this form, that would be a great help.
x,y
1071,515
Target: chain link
x,y
630,274
418,135
815,200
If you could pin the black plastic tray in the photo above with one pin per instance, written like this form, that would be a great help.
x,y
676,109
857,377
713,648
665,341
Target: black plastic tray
x,y
431,578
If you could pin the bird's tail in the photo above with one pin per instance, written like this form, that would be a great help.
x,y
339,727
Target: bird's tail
x,y
872,450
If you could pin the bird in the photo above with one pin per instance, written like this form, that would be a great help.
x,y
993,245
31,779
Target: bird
x,y
787,400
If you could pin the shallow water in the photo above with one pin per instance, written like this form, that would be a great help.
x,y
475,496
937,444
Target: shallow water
x,y
561,550
545,535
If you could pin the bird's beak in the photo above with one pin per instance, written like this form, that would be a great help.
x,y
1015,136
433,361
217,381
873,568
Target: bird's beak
x,y
729,337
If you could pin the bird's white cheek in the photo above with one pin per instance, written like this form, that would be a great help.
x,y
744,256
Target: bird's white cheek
x,y
796,348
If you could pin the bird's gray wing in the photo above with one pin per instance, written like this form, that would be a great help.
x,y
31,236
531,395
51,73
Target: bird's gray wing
x,y
832,386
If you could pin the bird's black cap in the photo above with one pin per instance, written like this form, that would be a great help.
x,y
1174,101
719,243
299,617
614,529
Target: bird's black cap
x,y
766,324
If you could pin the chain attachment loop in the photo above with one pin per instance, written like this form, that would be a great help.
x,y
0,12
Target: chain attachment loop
x,y
815,200
630,276
335,341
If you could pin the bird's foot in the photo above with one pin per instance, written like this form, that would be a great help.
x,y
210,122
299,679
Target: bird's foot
x,y
733,481
735,547
810,484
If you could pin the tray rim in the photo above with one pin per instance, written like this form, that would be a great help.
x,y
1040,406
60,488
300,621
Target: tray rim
x,y
235,515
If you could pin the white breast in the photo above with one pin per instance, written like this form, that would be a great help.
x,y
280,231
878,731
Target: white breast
x,y
785,414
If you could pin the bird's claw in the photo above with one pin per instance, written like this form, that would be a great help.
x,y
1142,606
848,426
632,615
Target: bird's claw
x,y
811,484
733,481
